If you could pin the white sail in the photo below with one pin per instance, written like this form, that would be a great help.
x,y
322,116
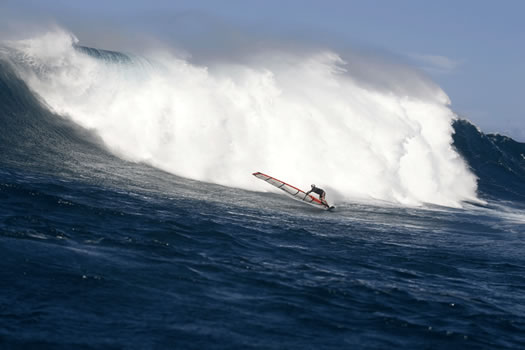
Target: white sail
x,y
291,190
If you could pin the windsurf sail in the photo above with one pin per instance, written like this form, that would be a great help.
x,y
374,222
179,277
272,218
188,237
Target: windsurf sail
x,y
292,190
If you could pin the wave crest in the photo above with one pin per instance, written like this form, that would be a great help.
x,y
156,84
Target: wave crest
x,y
306,118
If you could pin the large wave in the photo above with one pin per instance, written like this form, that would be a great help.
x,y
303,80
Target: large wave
x,y
306,117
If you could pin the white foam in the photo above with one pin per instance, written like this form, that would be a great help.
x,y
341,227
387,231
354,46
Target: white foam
x,y
303,118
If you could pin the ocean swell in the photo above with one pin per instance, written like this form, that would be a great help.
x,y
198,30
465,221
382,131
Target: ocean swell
x,y
305,118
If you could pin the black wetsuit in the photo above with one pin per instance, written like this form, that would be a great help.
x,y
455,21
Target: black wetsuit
x,y
317,190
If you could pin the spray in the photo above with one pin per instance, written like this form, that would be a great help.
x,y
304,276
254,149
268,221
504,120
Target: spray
x,y
305,118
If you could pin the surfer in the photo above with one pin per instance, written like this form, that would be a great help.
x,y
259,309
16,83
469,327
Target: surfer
x,y
321,194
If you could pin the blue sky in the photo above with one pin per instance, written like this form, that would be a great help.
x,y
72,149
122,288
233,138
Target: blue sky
x,y
473,49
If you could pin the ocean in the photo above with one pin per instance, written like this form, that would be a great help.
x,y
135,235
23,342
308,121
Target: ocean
x,y
129,218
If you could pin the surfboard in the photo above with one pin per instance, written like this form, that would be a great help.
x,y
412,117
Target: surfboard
x,y
293,191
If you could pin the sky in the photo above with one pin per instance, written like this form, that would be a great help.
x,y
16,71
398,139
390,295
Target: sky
x,y
473,49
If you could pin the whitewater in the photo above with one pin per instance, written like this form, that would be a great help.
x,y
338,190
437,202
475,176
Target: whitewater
x,y
129,216
307,117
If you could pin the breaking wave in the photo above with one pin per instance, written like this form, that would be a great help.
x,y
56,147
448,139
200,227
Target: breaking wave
x,y
303,117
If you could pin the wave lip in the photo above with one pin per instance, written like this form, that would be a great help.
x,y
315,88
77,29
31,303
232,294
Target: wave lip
x,y
307,118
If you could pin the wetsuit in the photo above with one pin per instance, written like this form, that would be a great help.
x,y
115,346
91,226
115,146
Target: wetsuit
x,y
319,191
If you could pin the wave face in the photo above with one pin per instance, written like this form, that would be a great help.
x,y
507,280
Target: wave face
x,y
498,161
301,117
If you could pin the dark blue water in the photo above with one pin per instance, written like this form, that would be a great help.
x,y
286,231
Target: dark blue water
x,y
99,253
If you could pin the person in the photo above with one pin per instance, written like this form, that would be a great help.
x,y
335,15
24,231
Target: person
x,y
320,192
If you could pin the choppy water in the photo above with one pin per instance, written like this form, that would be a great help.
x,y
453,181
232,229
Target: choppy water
x,y
98,252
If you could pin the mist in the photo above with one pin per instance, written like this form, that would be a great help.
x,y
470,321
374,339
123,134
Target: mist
x,y
306,115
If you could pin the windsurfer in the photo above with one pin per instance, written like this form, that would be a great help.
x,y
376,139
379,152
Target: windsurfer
x,y
320,192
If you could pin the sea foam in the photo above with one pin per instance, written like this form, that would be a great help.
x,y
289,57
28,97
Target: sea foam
x,y
309,117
